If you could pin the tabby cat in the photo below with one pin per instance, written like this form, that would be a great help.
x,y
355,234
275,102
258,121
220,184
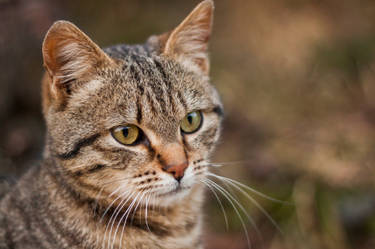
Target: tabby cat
x,y
130,129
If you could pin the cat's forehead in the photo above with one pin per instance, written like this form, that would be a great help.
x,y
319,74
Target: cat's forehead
x,y
154,92
163,82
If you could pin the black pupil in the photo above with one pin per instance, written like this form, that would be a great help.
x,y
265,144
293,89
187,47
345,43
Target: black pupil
x,y
125,131
190,118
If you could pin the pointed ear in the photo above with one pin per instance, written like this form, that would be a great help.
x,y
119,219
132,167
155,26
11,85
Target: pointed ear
x,y
189,41
69,55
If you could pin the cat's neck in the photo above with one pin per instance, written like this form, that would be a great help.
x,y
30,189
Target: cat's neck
x,y
175,226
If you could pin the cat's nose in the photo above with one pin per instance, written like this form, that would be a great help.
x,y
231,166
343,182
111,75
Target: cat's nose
x,y
173,160
177,170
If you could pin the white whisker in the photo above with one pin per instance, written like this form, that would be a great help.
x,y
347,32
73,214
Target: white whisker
x,y
231,182
239,162
242,208
229,198
127,215
146,206
212,164
114,216
118,223
220,203
253,190
110,205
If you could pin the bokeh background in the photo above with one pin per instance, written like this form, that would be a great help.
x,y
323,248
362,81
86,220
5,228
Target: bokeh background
x,y
297,78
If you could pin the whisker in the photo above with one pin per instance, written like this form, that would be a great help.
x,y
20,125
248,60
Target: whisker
x,y
110,205
153,195
139,202
212,165
221,205
251,199
220,164
115,191
119,222
147,201
252,190
233,193
115,214
242,208
108,222
229,198
140,211
127,215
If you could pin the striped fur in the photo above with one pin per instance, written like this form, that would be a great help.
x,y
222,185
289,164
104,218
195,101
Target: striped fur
x,y
78,196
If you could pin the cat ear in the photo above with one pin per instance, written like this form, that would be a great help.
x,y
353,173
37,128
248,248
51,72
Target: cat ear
x,y
70,55
189,41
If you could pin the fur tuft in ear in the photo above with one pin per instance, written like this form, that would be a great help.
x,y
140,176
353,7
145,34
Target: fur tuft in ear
x,y
69,55
189,41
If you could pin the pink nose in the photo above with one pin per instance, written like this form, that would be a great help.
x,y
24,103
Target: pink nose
x,y
177,171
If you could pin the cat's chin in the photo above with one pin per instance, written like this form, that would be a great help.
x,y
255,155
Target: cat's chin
x,y
176,195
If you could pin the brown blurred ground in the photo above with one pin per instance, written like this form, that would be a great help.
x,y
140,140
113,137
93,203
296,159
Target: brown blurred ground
x,y
297,78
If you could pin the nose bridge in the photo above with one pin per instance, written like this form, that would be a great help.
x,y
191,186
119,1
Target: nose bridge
x,y
173,160
173,153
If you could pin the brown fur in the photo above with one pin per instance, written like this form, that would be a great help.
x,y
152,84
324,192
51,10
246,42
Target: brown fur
x,y
79,196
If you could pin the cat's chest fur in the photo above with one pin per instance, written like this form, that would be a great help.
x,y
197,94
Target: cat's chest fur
x,y
130,130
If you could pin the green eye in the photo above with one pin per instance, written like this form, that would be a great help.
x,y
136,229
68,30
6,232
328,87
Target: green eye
x,y
191,122
126,135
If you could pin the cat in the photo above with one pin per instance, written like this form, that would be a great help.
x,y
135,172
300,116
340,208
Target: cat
x,y
130,130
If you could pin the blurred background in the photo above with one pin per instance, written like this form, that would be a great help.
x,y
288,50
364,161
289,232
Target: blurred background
x,y
297,78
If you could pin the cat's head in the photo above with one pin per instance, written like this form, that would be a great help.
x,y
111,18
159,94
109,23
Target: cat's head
x,y
132,121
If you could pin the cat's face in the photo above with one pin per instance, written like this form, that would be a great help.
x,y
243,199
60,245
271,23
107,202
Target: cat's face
x,y
135,122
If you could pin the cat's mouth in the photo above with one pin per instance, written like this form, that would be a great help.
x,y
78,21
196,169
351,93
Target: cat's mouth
x,y
177,190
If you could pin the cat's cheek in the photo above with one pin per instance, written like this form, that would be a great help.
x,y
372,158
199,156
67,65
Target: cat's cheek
x,y
204,142
189,178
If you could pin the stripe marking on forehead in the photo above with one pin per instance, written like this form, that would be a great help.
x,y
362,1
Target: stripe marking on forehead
x,y
152,80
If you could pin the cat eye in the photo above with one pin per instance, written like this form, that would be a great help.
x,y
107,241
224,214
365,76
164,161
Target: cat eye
x,y
127,135
191,122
